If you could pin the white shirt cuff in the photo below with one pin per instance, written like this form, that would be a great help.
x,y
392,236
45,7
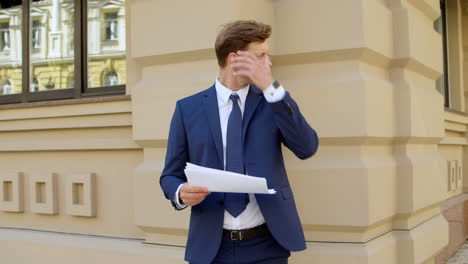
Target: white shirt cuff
x,y
273,95
176,199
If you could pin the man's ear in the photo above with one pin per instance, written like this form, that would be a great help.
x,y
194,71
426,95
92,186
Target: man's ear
x,y
229,58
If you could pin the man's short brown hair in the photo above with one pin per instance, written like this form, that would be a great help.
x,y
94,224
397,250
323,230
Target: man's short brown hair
x,y
237,36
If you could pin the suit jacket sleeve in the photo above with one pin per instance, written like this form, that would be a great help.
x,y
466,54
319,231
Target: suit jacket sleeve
x,y
176,157
297,134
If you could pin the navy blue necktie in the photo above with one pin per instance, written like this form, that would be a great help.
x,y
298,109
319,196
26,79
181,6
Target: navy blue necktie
x,y
235,202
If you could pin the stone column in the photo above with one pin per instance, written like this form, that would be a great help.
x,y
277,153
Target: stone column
x,y
420,229
56,21
43,36
55,35
94,31
15,38
121,29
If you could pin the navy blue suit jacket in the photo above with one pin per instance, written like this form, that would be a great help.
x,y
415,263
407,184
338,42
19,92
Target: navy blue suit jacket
x,y
195,136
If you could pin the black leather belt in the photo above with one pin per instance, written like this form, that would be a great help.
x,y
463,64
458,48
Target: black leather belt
x,y
260,230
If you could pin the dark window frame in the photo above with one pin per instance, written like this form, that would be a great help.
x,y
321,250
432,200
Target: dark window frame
x,y
81,88
446,87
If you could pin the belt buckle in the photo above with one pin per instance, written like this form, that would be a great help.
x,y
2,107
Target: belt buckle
x,y
236,232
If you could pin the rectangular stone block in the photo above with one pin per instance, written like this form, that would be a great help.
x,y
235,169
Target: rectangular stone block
x,y
80,193
11,192
454,213
43,190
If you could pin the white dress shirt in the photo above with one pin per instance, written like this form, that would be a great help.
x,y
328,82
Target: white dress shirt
x,y
251,216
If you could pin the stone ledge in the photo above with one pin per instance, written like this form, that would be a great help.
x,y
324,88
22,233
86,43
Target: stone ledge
x,y
84,100
449,203
451,110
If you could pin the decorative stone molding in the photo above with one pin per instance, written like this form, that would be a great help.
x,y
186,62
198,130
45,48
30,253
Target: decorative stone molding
x,y
11,192
455,175
459,174
80,194
43,190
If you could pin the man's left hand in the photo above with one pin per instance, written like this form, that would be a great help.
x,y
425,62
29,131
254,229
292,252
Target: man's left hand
x,y
258,70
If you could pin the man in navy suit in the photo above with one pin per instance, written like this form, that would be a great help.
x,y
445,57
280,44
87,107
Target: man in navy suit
x,y
239,125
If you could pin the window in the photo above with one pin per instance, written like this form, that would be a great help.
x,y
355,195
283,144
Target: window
x,y
111,23
56,48
11,65
36,34
4,36
443,83
106,44
50,84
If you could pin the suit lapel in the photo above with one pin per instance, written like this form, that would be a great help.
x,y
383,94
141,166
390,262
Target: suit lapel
x,y
253,99
210,103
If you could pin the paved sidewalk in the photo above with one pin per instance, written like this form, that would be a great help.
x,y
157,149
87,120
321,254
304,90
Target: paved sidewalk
x,y
461,257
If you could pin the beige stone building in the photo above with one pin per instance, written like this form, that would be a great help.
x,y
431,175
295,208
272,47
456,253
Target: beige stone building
x,y
382,82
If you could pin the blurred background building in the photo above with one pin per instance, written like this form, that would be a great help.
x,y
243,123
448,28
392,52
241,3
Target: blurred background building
x,y
88,88
52,45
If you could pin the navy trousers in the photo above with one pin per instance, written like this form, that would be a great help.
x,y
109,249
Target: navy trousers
x,y
258,250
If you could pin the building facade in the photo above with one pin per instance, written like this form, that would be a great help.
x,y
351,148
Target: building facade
x,y
89,88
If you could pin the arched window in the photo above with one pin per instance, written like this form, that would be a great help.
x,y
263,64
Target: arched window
x,y
7,87
50,84
111,78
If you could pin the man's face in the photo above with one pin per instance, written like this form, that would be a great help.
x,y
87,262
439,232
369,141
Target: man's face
x,y
261,52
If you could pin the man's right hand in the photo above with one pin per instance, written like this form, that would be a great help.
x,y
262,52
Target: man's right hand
x,y
192,195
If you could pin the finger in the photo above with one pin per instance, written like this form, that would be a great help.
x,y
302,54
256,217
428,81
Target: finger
x,y
241,66
185,196
247,54
194,195
244,59
198,189
189,188
192,202
252,71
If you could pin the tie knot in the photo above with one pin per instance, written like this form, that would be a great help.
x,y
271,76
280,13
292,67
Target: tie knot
x,y
234,97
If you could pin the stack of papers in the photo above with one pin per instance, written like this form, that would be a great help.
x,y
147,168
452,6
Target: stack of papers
x,y
225,181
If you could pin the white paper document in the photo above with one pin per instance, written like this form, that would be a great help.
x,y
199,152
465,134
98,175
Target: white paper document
x,y
225,181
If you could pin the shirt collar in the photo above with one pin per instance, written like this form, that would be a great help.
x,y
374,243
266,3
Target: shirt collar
x,y
224,92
